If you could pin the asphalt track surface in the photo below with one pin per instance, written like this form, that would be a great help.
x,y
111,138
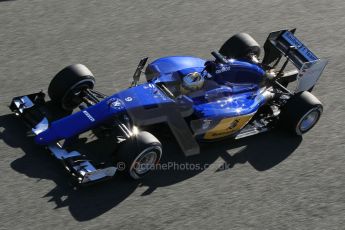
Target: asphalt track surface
x,y
274,181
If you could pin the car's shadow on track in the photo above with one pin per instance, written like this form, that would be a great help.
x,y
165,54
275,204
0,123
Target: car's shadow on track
x,y
262,152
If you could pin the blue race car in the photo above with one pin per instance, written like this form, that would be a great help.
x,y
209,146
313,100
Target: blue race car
x,y
235,95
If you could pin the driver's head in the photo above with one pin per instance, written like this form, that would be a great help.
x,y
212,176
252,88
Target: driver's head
x,y
192,81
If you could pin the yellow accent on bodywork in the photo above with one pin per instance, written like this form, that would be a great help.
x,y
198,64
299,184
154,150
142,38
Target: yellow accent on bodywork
x,y
228,126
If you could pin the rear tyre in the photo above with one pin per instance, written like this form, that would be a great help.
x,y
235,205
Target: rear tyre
x,y
241,45
301,113
66,86
138,155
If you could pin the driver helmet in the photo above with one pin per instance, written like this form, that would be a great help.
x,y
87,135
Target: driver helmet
x,y
192,81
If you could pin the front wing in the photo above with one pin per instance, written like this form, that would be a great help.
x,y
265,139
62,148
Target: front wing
x,y
81,169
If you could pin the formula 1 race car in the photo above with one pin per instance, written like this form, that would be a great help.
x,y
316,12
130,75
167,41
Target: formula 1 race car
x,y
236,95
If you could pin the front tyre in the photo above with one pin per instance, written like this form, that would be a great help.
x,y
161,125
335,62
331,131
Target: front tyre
x,y
301,113
66,87
138,155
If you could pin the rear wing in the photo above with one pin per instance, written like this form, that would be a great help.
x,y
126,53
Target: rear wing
x,y
284,42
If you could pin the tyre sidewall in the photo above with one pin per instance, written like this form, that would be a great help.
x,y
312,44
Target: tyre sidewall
x,y
296,108
131,149
298,126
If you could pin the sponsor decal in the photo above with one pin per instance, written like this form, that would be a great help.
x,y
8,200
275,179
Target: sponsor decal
x,y
234,124
223,69
302,49
228,126
206,124
88,115
128,99
115,103
292,39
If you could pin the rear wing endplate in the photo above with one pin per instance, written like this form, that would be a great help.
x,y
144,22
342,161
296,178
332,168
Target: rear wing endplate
x,y
309,74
